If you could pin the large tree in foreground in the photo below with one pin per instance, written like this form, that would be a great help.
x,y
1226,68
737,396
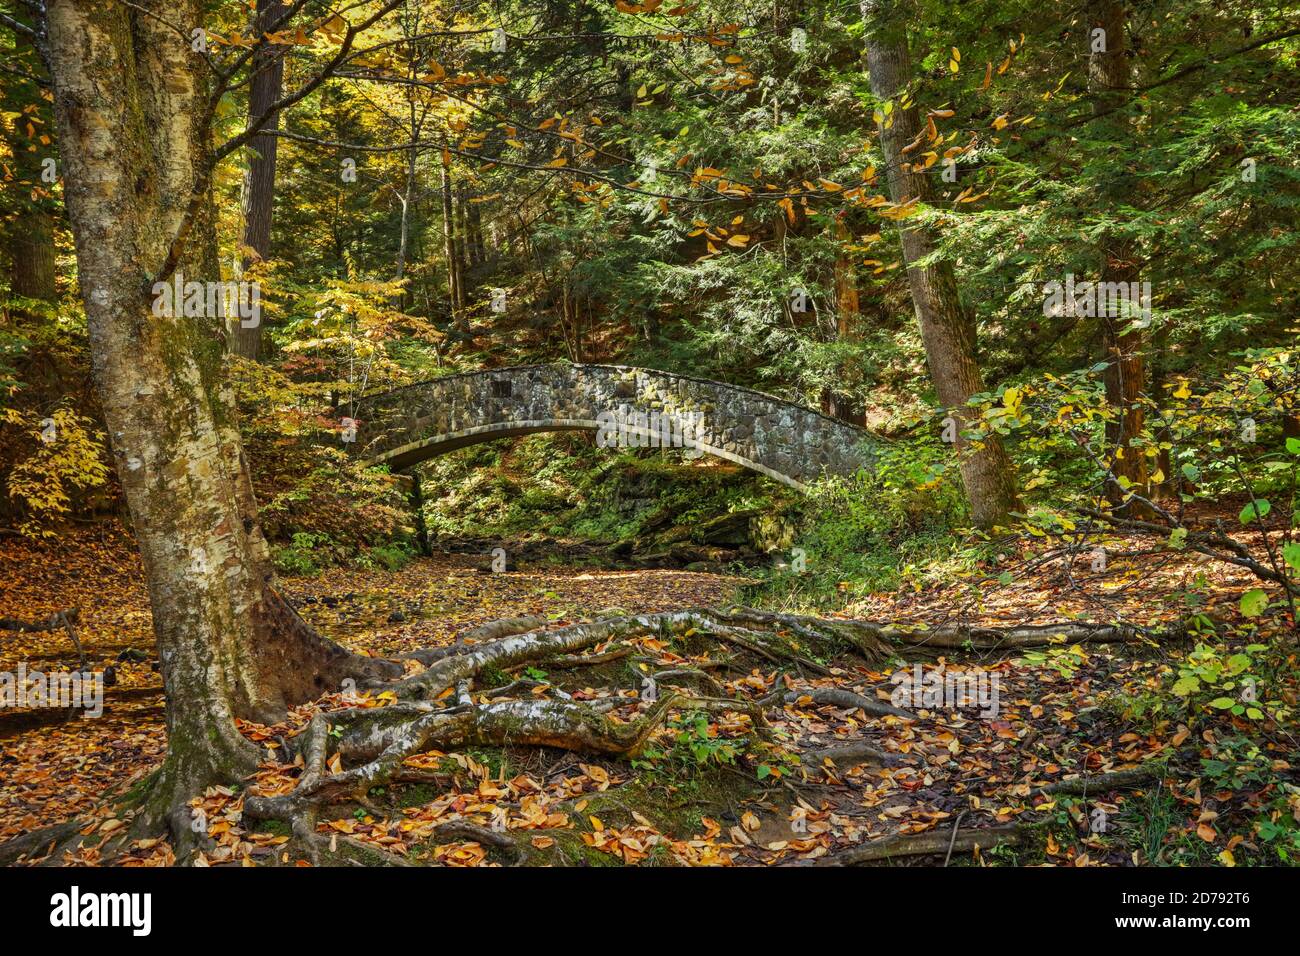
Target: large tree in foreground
x,y
132,108
947,329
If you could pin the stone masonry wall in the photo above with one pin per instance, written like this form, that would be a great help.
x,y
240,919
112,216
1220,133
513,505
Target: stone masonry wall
x,y
786,441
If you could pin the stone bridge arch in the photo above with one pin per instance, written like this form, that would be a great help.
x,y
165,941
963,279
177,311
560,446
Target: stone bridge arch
x,y
630,405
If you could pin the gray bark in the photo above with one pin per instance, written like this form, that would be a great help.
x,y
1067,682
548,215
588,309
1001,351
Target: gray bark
x,y
129,100
947,329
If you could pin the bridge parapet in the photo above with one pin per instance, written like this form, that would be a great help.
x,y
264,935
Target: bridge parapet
x,y
623,404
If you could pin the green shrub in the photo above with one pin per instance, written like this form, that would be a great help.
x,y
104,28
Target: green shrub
x,y
869,532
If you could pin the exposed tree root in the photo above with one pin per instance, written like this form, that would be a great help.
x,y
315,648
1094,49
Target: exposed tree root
x,y
347,753
963,636
37,843
876,642
306,663
493,630
677,675
836,697
567,661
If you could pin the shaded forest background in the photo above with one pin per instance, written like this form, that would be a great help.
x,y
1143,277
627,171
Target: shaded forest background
x,y
698,189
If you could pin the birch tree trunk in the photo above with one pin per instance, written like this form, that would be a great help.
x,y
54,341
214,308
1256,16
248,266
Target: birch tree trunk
x,y
947,330
129,97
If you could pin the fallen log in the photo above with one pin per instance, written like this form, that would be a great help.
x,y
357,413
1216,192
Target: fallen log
x,y
924,844
66,620
844,756
1101,782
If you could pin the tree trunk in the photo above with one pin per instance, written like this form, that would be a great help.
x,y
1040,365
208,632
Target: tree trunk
x,y
836,401
258,196
31,233
407,198
1109,80
1172,482
31,254
455,294
129,101
476,233
464,249
947,331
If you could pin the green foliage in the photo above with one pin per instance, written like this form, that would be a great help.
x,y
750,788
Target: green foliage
x,y
68,458
1238,683
303,555
1066,661
306,484
563,486
696,744
390,557
876,530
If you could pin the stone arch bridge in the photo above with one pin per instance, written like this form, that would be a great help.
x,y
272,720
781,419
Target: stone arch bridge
x,y
623,405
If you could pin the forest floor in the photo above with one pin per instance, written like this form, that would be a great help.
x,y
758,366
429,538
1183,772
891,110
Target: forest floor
x,y
704,792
